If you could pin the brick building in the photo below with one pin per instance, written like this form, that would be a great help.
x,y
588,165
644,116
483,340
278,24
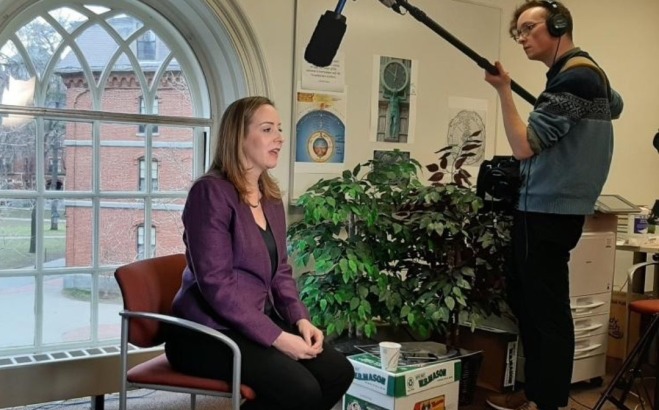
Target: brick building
x,y
125,148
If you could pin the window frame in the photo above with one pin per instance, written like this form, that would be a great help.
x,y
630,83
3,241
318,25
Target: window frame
x,y
143,174
141,129
140,46
218,35
141,240
41,196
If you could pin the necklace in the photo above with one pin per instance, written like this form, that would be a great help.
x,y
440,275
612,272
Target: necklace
x,y
258,202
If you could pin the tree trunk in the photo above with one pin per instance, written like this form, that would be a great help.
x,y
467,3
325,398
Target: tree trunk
x,y
33,230
54,215
452,337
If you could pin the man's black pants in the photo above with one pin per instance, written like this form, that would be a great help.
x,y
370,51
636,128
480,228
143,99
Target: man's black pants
x,y
539,295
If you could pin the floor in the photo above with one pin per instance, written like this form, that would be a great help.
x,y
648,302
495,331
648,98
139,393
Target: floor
x,y
583,396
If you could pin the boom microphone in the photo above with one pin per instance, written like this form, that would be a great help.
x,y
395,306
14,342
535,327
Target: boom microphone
x,y
326,39
327,36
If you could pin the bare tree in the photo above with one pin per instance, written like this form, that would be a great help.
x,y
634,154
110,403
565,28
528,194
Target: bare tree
x,y
18,150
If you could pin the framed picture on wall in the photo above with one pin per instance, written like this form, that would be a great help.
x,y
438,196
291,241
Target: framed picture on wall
x,y
393,100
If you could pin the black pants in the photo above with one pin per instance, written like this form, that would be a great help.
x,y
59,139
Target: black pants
x,y
539,295
279,381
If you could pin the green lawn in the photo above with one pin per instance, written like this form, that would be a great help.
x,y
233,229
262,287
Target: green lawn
x,y
15,234
20,213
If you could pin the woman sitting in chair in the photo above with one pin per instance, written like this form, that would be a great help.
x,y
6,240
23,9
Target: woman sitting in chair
x,y
238,279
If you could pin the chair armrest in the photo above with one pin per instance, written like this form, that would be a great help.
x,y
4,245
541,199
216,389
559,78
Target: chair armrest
x,y
631,272
188,324
126,315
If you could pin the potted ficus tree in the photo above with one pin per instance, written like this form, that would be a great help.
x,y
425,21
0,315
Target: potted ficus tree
x,y
382,246
343,240
456,272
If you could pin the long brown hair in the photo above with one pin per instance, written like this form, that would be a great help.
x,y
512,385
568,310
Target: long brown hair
x,y
233,130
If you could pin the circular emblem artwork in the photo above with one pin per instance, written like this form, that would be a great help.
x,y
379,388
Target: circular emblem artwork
x,y
320,138
320,146
467,125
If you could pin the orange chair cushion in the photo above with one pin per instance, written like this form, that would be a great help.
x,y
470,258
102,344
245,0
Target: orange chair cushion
x,y
158,371
645,306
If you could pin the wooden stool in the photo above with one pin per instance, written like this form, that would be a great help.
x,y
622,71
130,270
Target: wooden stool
x,y
632,367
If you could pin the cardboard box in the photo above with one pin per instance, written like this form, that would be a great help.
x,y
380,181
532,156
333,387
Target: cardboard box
x,y
499,364
406,380
360,397
619,333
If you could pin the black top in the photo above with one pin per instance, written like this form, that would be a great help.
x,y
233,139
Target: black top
x,y
271,245
269,240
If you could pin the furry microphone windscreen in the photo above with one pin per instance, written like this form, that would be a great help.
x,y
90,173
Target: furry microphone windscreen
x,y
326,39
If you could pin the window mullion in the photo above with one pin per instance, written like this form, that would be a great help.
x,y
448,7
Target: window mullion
x,y
96,233
101,149
109,117
38,217
96,192
148,159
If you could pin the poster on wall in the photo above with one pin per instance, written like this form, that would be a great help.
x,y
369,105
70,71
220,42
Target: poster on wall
x,y
386,155
330,78
320,133
467,128
393,107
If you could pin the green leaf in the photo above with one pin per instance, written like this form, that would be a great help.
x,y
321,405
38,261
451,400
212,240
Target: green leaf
x,y
463,283
405,311
467,271
354,303
361,311
340,325
370,329
411,319
449,302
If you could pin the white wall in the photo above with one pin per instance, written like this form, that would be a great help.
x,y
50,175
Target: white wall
x,y
620,35
273,22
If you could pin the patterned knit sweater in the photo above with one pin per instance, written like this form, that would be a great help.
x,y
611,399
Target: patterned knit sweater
x,y
571,134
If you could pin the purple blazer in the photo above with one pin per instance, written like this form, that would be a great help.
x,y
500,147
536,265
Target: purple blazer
x,y
228,276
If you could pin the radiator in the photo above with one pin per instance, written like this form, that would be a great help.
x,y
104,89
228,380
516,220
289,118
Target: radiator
x,y
45,377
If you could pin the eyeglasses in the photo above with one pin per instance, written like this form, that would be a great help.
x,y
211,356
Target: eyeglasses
x,y
524,32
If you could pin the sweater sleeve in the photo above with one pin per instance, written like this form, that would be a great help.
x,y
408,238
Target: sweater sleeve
x,y
616,104
571,96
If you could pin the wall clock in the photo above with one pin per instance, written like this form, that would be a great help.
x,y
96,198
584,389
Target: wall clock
x,y
395,76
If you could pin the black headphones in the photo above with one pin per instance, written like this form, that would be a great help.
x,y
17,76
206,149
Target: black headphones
x,y
557,23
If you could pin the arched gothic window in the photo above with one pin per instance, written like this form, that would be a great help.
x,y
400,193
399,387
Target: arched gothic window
x,y
86,88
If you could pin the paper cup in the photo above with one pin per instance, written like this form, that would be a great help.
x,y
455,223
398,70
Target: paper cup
x,y
389,355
